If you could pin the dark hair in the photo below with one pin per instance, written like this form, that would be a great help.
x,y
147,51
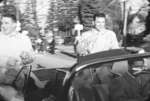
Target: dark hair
x,y
12,16
98,15
139,16
132,62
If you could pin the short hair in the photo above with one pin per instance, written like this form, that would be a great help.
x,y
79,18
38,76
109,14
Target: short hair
x,y
12,16
98,15
133,62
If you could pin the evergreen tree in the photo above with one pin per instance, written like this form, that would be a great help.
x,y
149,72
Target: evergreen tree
x,y
67,15
62,13
51,16
28,18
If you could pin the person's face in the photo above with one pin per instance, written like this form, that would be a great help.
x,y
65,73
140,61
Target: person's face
x,y
136,20
8,25
100,23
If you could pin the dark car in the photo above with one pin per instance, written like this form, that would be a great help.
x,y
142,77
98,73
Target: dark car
x,y
87,80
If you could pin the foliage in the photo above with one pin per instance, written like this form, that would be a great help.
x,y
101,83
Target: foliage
x,y
9,9
51,16
28,20
61,14
66,24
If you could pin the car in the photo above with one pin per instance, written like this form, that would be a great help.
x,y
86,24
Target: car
x,y
82,81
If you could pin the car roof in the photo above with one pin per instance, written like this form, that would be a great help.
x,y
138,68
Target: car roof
x,y
108,56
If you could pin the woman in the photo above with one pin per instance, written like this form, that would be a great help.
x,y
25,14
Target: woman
x,y
136,30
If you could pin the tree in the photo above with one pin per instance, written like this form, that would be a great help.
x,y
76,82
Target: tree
x,y
51,15
28,18
61,14
68,13
66,24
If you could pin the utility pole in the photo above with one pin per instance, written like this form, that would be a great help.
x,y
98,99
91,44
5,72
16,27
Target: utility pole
x,y
125,12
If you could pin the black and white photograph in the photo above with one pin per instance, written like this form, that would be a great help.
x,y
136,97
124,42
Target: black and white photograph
x,y
74,50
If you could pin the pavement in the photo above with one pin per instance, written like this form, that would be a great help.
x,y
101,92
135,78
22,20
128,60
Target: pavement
x,y
61,59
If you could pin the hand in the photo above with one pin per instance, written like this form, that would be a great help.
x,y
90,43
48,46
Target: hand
x,y
134,49
147,38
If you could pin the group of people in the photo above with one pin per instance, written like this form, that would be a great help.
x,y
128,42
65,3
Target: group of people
x,y
16,50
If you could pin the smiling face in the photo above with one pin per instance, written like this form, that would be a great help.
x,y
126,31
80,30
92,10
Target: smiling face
x,y
8,25
100,23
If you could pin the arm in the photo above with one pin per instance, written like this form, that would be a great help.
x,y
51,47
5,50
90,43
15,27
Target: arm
x,y
38,83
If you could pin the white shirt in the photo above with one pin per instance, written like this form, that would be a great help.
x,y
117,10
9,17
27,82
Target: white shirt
x,y
96,41
11,46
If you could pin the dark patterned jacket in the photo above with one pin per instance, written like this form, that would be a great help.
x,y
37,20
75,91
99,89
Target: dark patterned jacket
x,y
130,88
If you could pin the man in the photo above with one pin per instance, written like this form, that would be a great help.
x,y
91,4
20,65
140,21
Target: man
x,y
136,31
15,51
12,43
134,85
97,39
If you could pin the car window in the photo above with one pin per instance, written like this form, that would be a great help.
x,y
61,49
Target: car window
x,y
120,67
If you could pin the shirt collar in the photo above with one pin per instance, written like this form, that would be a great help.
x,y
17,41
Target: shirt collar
x,y
99,32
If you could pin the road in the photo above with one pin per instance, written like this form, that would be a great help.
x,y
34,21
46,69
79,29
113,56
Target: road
x,y
57,60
